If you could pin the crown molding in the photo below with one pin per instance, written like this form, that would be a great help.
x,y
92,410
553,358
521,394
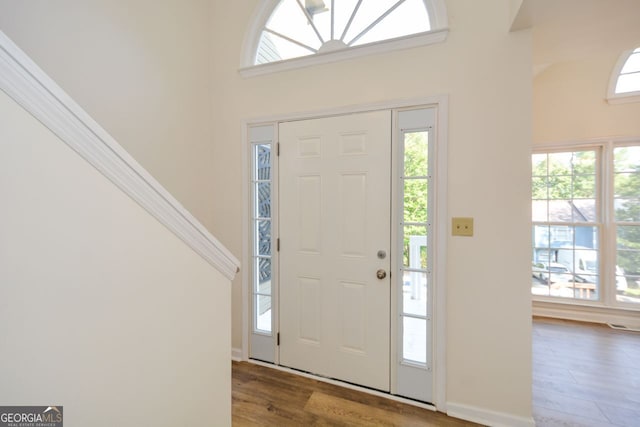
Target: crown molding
x,y
38,94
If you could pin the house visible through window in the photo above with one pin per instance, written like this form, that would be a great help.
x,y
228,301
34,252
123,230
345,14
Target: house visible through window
x,y
586,239
299,28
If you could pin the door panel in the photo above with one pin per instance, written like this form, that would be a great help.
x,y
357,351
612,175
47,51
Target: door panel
x,y
334,218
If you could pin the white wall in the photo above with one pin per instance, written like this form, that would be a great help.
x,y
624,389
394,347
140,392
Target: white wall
x,y
569,102
142,69
102,309
487,73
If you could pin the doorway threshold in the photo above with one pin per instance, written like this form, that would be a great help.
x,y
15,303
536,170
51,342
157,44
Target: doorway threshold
x,y
347,385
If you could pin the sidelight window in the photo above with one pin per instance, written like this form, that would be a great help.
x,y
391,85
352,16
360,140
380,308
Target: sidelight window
x,y
414,217
262,226
415,269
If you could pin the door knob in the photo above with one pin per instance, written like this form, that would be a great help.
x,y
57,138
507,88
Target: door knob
x,y
381,274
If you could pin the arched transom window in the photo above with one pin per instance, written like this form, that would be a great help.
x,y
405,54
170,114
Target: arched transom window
x,y
625,80
288,29
629,78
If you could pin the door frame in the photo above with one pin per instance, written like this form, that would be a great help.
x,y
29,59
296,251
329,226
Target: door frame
x,y
440,103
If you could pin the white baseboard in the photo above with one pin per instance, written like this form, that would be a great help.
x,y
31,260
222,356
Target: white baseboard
x,y
236,354
487,417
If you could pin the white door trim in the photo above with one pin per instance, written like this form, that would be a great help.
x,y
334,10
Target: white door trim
x,y
441,103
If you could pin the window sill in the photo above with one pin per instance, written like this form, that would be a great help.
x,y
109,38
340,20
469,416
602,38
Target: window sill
x,y
585,312
416,40
624,99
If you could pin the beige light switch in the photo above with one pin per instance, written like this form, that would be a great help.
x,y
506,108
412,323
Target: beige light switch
x,y
462,226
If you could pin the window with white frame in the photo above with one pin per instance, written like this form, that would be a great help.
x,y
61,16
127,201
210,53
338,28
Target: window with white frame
x,y
263,226
299,28
624,84
262,245
414,215
294,29
586,224
415,270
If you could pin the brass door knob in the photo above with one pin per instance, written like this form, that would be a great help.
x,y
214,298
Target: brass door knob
x,y
381,274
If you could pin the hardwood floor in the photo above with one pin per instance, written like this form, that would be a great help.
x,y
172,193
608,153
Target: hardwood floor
x,y
584,375
268,397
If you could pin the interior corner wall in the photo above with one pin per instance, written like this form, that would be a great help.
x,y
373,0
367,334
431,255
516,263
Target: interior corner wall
x,y
103,310
486,71
569,103
142,69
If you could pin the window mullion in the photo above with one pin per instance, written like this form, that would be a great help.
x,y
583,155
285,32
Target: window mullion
x,y
310,20
353,15
609,228
376,22
289,39
333,19
630,73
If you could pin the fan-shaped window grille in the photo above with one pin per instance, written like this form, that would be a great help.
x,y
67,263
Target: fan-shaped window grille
x,y
298,28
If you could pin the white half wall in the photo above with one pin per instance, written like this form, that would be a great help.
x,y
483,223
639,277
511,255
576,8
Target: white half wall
x,y
103,310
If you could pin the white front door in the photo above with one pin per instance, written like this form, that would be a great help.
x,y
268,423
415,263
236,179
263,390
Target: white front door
x,y
335,240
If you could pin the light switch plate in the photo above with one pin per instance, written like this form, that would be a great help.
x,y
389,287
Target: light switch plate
x,y
462,226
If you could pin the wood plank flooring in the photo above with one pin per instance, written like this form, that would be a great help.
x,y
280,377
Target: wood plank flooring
x,y
584,375
268,397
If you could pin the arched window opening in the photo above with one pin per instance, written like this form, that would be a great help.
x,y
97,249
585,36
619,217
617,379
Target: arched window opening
x,y
298,29
629,78
625,80
290,29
